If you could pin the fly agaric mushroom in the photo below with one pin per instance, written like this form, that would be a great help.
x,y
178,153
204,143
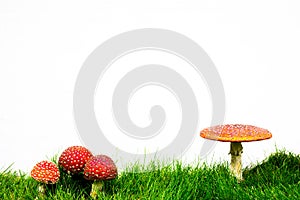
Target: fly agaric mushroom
x,y
98,169
45,172
235,134
74,158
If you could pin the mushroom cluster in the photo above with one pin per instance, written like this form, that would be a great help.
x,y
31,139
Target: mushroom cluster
x,y
76,160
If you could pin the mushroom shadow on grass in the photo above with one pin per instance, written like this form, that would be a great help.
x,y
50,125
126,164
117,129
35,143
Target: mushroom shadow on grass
x,y
280,168
75,183
235,134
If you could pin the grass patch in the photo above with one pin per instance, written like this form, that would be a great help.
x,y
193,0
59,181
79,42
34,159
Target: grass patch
x,y
278,177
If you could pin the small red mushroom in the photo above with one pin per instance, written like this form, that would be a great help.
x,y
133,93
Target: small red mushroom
x,y
45,172
74,158
235,134
98,169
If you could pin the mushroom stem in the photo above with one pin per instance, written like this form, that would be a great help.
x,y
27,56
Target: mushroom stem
x,y
96,186
236,150
42,191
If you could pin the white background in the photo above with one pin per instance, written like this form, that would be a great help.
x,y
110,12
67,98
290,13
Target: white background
x,y
255,46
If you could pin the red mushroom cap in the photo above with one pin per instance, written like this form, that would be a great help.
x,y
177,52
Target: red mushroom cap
x,y
74,158
235,133
100,167
45,172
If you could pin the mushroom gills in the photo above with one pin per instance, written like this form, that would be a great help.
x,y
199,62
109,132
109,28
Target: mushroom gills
x,y
236,150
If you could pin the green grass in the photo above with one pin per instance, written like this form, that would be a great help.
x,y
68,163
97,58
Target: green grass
x,y
278,177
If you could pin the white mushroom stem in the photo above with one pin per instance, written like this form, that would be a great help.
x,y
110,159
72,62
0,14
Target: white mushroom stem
x,y
42,189
236,150
96,186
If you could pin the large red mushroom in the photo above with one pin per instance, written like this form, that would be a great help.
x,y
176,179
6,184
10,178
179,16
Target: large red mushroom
x,y
98,169
73,159
235,134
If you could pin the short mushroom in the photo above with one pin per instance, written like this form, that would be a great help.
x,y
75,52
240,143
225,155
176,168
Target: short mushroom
x,y
73,159
45,172
235,134
98,169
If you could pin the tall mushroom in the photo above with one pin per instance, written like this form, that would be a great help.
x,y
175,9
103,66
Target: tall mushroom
x,y
45,172
235,134
98,169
